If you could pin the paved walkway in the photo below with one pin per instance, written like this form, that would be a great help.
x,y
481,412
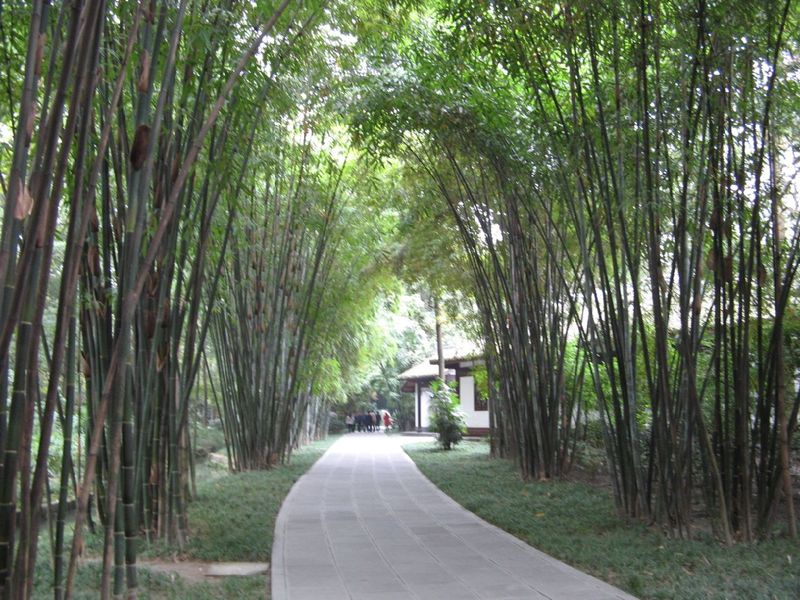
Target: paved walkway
x,y
364,523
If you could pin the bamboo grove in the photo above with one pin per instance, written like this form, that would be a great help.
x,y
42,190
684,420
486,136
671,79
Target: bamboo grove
x,y
124,252
621,177
282,273
183,202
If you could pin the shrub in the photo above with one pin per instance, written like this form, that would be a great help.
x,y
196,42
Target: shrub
x,y
336,425
447,420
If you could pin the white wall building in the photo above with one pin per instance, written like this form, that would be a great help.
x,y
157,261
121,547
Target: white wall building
x,y
473,405
418,379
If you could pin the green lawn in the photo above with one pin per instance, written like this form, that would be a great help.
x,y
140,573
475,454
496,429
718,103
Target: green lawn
x,y
156,586
232,519
578,524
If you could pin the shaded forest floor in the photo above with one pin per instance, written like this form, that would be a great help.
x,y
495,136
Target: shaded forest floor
x,y
575,521
231,519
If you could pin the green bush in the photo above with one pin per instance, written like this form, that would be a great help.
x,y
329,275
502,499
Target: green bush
x,y
447,420
593,430
336,425
208,439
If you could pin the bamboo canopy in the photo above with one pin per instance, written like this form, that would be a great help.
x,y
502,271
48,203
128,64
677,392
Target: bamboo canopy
x,y
235,192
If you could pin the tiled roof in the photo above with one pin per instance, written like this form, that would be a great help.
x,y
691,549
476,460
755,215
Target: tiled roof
x,y
453,356
424,370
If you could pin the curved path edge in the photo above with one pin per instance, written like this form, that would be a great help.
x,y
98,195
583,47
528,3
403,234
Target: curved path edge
x,y
365,524
278,588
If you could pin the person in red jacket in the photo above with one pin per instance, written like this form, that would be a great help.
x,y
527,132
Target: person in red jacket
x,y
387,420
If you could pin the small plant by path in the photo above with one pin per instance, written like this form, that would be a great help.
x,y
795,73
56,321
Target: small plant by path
x,y
447,420
577,523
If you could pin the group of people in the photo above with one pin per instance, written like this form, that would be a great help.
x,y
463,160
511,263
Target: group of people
x,y
369,421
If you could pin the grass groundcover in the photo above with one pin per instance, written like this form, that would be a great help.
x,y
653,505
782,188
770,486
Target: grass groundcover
x,y
233,516
577,523
231,519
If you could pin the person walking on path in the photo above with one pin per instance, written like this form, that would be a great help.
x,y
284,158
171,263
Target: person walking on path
x,y
350,422
387,420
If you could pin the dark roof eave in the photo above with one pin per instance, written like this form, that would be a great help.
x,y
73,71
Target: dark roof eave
x,y
420,379
452,363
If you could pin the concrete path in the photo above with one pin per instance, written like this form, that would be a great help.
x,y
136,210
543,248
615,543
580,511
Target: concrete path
x,y
364,523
